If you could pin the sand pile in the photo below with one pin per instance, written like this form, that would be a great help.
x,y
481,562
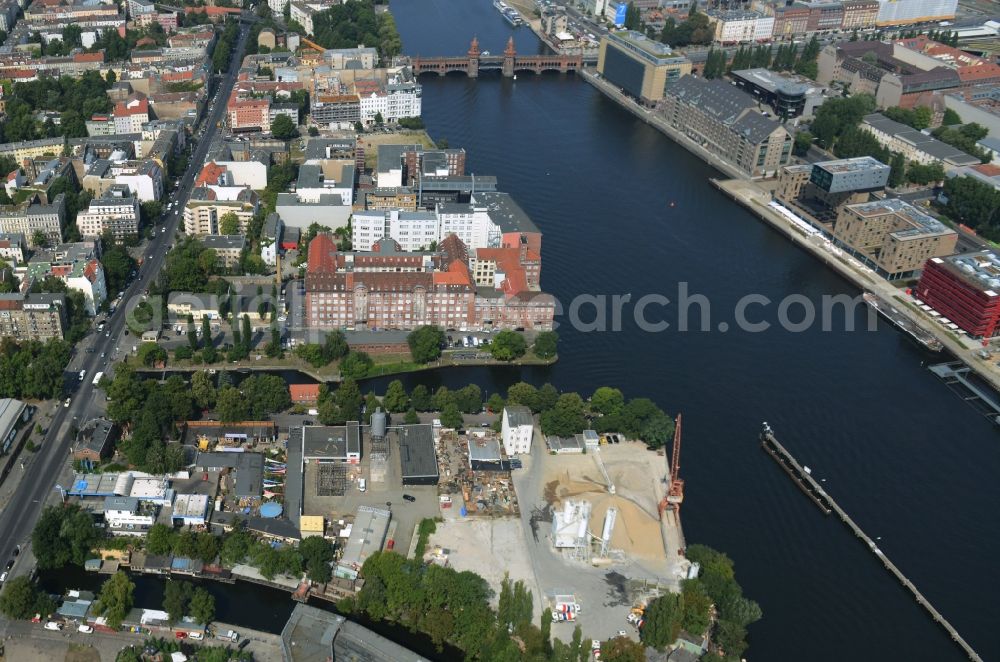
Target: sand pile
x,y
635,532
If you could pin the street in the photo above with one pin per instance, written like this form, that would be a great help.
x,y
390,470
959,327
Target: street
x,y
40,475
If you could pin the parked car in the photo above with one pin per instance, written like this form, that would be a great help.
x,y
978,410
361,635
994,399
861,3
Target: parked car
x,y
86,629
409,497
52,625
3,578
196,636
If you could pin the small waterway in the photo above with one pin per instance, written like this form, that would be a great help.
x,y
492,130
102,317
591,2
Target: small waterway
x,y
243,604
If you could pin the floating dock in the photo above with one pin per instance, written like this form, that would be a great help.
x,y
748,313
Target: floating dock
x,y
772,445
961,380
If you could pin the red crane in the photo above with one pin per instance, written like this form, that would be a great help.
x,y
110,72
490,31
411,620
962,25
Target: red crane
x,y
675,487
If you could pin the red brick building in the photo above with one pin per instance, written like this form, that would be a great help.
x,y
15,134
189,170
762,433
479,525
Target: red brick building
x,y
387,288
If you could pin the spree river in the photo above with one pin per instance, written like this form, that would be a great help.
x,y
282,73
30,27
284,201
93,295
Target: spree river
x,y
626,211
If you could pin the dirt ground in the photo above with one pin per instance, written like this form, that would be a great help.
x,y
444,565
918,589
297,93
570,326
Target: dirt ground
x,y
488,547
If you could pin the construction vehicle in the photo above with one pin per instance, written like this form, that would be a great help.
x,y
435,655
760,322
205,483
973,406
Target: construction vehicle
x,y
675,485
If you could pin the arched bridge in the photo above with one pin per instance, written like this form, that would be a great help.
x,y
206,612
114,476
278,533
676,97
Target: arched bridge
x,y
508,64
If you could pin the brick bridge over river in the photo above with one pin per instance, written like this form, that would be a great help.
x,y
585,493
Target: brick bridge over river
x,y
508,64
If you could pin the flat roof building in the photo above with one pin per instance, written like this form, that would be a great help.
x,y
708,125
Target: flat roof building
x,y
368,535
863,173
417,455
965,289
484,453
249,469
13,414
332,443
190,509
640,66
314,634
915,145
787,96
893,236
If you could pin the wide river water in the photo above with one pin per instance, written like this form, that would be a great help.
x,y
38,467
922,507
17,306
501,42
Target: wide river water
x,y
626,211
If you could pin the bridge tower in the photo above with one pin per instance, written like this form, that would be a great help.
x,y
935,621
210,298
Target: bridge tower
x,y
472,66
509,56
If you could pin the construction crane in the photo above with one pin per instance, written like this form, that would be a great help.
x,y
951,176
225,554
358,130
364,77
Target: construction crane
x,y
312,44
675,485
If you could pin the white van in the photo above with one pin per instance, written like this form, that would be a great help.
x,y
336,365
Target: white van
x,y
362,485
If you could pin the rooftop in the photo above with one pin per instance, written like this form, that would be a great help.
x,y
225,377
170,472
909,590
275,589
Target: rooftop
x,y
224,241
654,52
980,270
367,535
518,415
921,141
856,164
920,224
416,451
331,441
484,449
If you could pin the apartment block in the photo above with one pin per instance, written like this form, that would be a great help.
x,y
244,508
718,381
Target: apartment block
x,y
735,26
12,248
965,289
33,219
892,236
915,145
228,248
116,211
32,316
208,205
75,264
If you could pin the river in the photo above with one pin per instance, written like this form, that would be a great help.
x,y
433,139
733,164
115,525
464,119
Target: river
x,y
625,210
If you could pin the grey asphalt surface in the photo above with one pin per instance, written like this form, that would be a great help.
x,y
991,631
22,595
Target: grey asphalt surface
x,y
18,518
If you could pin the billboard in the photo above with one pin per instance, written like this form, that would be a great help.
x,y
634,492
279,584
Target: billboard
x,y
620,11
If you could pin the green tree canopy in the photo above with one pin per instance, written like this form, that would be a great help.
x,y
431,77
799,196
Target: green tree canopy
x,y
545,344
115,599
425,343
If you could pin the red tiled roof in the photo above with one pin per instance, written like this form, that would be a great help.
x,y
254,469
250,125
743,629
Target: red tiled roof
x,y
987,169
210,174
322,254
304,392
89,57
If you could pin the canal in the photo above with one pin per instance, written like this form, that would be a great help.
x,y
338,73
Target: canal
x,y
625,211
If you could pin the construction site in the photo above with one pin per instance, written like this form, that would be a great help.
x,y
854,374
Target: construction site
x,y
475,474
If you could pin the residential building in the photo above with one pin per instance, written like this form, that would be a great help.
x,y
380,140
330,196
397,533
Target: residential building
x,y
305,394
915,145
248,113
122,512
926,54
270,239
228,248
825,16
32,316
907,12
131,114
979,104
821,189
207,205
517,429
12,247
735,26
33,149
402,198
791,21
101,125
97,441
725,121
335,110
642,67
144,178
33,220
117,211
77,265
965,289
892,236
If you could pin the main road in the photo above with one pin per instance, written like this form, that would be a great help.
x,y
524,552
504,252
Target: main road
x,y
40,475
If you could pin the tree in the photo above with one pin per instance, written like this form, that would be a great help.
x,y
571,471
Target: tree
x,y
950,118
607,401
230,405
115,599
566,418
545,344
203,389
246,335
229,223
151,354
411,417
697,605
317,554
264,395
897,170
425,343
202,606
313,131
525,394
160,539
395,399
356,365
622,649
507,346
420,398
63,535
663,621
283,128
495,403
21,599
451,417
176,596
